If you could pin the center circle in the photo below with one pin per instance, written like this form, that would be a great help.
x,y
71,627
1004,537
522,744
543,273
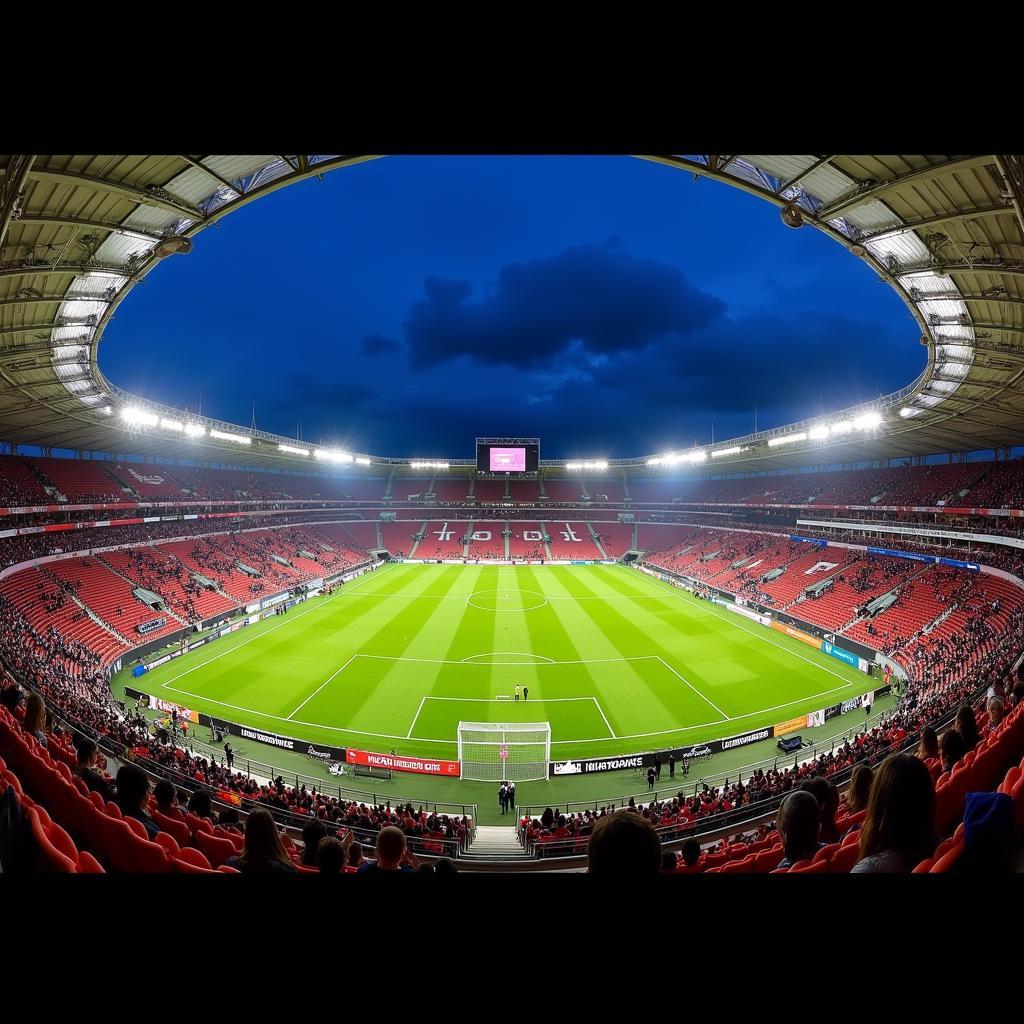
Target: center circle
x,y
506,599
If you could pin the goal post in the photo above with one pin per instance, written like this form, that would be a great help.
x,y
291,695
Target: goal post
x,y
512,751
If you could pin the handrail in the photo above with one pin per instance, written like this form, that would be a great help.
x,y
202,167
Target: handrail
x,y
576,845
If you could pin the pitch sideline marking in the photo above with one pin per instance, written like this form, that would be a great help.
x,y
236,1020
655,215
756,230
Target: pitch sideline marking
x,y
265,632
679,675
336,672
759,636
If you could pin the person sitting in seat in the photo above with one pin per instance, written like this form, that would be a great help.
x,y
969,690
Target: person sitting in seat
x,y
624,843
133,796
86,771
799,827
264,852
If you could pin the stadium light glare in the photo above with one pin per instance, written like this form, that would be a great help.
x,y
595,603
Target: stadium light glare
x,y
292,450
427,464
195,429
908,411
172,424
139,417
237,438
332,456
818,432
735,449
587,464
774,442
869,421
361,461
841,427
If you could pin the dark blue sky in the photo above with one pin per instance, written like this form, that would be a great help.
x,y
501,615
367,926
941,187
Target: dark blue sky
x,y
610,305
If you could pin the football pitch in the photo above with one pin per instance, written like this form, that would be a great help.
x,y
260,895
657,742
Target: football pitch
x,y
616,661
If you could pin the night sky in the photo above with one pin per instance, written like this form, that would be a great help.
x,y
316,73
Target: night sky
x,y
612,306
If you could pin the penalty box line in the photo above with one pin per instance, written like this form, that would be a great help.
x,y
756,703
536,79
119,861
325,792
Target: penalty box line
x,y
498,700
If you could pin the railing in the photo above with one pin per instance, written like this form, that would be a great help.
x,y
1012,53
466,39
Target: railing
x,y
683,783
420,845
576,846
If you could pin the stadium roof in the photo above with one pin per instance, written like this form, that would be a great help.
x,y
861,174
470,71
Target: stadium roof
x,y
947,232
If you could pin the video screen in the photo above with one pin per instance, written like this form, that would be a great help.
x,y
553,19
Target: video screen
x,y
508,460
507,455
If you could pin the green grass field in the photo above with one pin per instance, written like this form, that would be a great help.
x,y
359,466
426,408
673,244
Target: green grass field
x,y
615,660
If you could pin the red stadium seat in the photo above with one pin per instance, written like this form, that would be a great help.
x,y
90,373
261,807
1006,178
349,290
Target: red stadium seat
x,y
178,829
818,867
844,859
740,867
947,861
217,850
827,852
88,864
193,857
53,858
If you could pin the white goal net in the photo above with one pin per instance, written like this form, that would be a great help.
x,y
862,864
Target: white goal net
x,y
512,752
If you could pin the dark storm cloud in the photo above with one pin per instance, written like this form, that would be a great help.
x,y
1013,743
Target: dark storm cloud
x,y
597,295
377,344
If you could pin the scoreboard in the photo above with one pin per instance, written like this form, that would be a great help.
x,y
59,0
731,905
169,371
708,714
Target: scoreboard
x,y
509,455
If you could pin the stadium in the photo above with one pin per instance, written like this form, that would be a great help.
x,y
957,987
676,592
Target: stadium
x,y
742,656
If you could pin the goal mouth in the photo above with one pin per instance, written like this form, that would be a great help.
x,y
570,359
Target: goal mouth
x,y
504,751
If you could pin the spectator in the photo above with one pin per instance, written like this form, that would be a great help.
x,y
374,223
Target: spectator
x,y
264,853
951,749
989,834
200,805
355,856
928,747
624,843
899,831
668,863
691,852
827,795
996,709
799,826
312,835
86,771
392,854
132,796
35,718
11,697
166,797
967,726
444,866
858,794
330,856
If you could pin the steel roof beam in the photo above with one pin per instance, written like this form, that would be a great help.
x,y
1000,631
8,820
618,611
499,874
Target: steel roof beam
x,y
130,192
11,189
830,211
66,269
918,269
794,181
945,218
32,298
96,225
199,165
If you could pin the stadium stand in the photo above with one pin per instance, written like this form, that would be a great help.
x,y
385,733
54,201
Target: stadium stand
x,y
489,490
487,540
524,490
519,547
79,480
19,486
571,540
616,538
563,490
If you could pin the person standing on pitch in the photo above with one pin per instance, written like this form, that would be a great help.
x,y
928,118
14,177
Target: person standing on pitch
x,y
229,755
517,691
503,797
510,796
650,777
526,692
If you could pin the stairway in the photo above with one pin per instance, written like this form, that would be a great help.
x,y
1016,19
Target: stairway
x,y
495,843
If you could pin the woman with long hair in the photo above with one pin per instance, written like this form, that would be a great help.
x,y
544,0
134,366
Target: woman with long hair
x,y
929,744
899,830
967,726
264,852
35,718
859,793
